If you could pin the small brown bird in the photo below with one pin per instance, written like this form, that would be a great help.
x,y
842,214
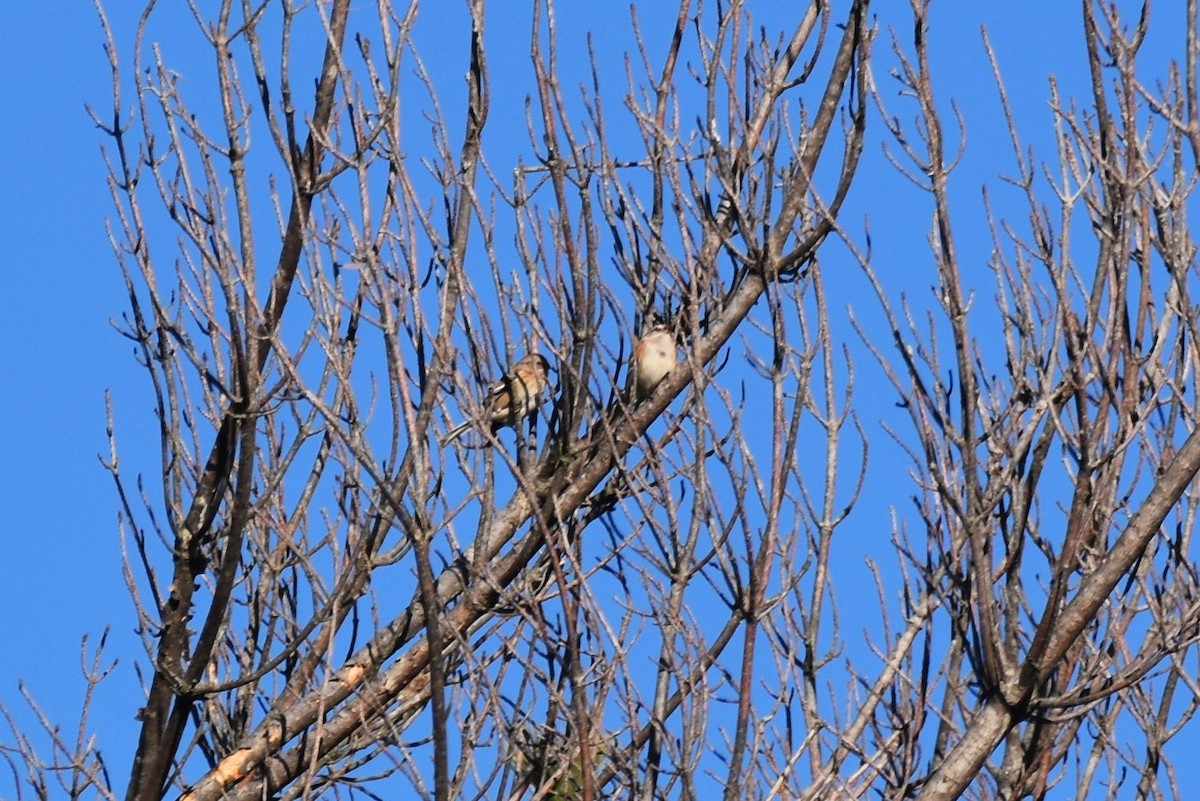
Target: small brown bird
x,y
653,357
513,398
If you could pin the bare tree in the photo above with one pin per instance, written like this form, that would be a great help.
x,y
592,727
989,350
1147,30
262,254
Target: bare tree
x,y
1055,472
382,557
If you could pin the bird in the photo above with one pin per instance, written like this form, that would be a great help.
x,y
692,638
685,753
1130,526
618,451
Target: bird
x,y
513,398
652,358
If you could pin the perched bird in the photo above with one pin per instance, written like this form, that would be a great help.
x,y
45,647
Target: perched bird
x,y
513,398
652,358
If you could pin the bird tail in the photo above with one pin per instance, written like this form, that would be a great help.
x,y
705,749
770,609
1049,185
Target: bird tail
x,y
455,432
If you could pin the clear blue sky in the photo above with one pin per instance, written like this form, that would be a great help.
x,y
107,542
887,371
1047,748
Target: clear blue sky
x,y
60,573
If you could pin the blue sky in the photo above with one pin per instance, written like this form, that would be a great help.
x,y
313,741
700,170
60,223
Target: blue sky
x,y
61,576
